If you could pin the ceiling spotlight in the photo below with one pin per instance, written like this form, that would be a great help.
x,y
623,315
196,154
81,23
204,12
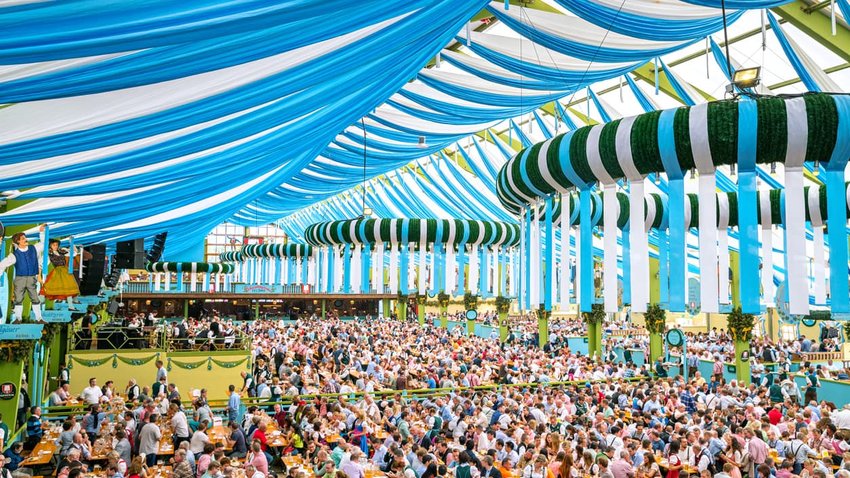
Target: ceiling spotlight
x,y
747,77
657,179
732,169
693,174
367,211
816,168
772,168
422,142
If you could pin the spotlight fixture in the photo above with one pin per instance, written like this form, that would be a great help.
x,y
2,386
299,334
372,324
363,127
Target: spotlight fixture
x,y
657,179
816,168
747,77
367,211
693,174
772,168
422,142
732,168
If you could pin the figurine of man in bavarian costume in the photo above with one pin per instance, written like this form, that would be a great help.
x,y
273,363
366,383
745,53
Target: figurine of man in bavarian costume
x,y
27,261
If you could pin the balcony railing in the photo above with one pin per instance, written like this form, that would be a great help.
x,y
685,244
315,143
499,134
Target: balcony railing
x,y
237,288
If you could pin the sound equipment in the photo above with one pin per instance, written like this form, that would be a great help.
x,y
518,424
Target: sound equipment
x,y
111,280
93,270
130,254
155,252
113,307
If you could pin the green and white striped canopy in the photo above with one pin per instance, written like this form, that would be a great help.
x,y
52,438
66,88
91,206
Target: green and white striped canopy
x,y
212,268
231,256
416,231
633,147
276,250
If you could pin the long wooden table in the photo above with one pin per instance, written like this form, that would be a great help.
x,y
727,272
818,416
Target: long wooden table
x,y
44,451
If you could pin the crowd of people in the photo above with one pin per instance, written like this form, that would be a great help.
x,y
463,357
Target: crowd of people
x,y
536,413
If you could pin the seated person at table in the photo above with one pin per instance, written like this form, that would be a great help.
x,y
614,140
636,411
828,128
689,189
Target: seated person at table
x,y
72,461
60,396
236,441
13,456
34,430
4,472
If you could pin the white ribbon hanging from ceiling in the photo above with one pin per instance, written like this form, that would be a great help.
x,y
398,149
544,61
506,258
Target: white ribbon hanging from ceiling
x,y
795,214
698,122
639,257
564,267
610,209
767,285
723,248
818,246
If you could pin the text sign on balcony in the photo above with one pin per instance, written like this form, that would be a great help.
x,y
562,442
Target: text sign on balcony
x,y
89,300
21,331
60,316
258,289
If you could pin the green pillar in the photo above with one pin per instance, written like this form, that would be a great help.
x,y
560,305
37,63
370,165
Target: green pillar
x,y
654,282
324,310
185,308
444,316
742,369
11,372
656,347
734,264
542,330
402,310
504,330
470,327
420,309
594,339
256,309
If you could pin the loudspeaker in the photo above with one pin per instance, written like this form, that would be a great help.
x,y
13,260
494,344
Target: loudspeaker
x,y
130,254
113,307
111,280
130,247
93,270
155,252
130,261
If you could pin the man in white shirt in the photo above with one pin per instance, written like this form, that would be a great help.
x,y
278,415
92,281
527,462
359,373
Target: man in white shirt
x,y
179,424
92,394
841,419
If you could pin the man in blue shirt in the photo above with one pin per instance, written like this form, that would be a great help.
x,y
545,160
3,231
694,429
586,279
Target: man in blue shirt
x,y
34,431
233,404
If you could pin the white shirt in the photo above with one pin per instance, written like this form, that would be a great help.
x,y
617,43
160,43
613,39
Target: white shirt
x,y
841,419
180,424
10,260
91,395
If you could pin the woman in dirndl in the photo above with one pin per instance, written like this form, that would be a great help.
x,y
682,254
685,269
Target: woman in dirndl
x,y
60,284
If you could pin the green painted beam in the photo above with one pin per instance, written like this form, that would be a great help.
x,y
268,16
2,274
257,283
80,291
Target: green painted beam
x,y
818,26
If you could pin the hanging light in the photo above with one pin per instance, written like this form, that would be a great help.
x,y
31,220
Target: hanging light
x,y
693,173
657,179
816,168
773,169
732,169
422,143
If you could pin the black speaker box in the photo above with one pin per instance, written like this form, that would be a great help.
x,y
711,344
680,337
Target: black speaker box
x,y
93,270
135,260
130,247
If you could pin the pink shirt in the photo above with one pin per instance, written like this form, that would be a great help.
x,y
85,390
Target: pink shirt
x,y
622,469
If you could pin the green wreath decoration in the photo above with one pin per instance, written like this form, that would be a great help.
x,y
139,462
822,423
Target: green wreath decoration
x,y
229,364
421,299
443,299
503,304
470,301
186,365
138,361
596,314
655,318
89,363
741,325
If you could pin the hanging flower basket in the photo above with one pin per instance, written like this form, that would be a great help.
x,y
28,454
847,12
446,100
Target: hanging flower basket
x,y
503,304
470,301
595,316
741,325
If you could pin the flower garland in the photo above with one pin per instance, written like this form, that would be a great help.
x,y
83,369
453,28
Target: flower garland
x,y
443,299
503,304
339,232
655,318
470,301
741,325
596,314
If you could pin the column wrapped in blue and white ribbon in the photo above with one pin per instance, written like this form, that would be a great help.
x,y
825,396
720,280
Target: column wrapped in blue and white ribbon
x,y
406,259
549,247
347,272
422,256
522,288
535,267
193,277
378,267
462,286
837,200
432,269
393,282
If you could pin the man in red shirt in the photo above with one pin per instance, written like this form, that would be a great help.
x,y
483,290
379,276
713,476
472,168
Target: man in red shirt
x,y
775,414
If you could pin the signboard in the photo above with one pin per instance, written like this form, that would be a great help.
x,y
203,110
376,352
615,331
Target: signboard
x,y
87,300
471,314
258,289
694,305
20,331
7,391
60,316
